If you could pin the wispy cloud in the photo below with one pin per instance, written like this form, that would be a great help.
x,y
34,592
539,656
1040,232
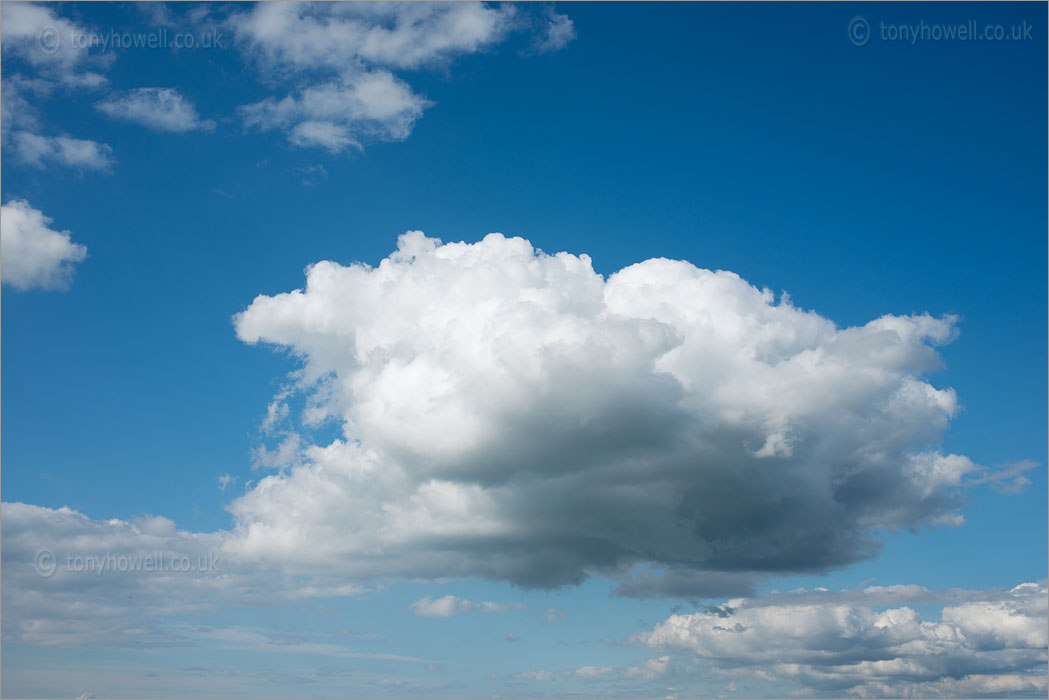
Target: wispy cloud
x,y
450,605
160,109
76,154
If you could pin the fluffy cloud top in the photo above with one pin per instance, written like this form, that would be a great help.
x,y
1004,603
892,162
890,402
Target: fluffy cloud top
x,y
514,415
31,253
161,109
992,643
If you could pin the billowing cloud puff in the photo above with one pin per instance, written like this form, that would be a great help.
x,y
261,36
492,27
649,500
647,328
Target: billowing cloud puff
x,y
515,415
986,643
31,253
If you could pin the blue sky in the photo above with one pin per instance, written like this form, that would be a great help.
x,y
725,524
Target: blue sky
x,y
891,178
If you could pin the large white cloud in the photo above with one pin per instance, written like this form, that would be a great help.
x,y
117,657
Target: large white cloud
x,y
515,415
985,642
31,253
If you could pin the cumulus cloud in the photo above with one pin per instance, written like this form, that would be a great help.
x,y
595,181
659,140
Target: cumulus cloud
x,y
342,58
336,114
161,109
994,642
515,415
450,605
31,253
38,151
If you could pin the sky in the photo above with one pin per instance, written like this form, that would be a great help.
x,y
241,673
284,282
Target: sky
x,y
575,350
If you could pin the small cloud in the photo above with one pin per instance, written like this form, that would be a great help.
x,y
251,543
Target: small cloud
x,y
511,637
552,615
225,480
534,676
83,154
557,32
1009,478
450,605
33,254
312,174
160,109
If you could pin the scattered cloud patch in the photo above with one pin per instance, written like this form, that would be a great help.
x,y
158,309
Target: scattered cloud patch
x,y
450,605
651,669
44,53
33,255
52,45
225,481
342,59
79,154
335,115
160,109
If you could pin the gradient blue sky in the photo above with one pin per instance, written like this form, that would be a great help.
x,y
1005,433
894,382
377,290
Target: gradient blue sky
x,y
888,178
